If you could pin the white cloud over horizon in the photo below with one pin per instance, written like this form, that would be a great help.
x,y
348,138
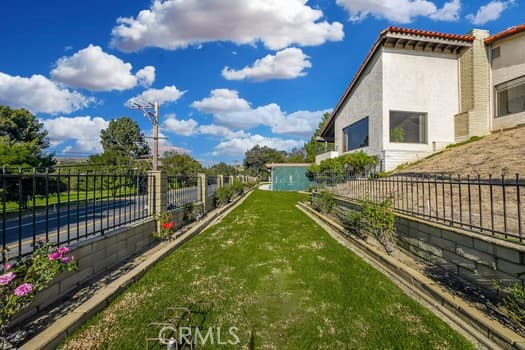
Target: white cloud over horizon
x,y
285,64
93,69
84,131
175,24
38,94
401,11
231,111
489,12
239,145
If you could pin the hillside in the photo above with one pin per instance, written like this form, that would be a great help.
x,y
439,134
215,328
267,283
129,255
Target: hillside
x,y
502,152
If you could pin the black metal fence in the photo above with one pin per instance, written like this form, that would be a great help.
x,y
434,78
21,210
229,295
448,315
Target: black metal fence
x,y
182,190
211,185
490,205
226,180
67,206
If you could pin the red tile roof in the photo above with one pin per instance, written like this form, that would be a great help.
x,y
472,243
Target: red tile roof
x,y
429,34
505,33
373,50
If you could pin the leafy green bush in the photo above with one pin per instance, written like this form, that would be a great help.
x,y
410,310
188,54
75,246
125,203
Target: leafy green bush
x,y
358,163
223,195
354,221
380,219
323,201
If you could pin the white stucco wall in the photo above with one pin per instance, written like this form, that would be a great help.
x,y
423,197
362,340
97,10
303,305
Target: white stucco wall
x,y
364,101
418,81
508,66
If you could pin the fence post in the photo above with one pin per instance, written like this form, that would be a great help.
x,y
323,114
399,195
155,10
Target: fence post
x,y
220,181
157,192
202,187
231,180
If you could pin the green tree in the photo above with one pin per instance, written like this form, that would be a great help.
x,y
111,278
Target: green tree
x,y
123,142
221,169
313,147
296,155
255,159
176,164
23,140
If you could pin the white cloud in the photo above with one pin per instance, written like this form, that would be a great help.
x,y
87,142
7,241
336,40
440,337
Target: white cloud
x,y
300,123
146,76
489,12
39,95
180,127
222,100
93,69
84,131
400,11
220,131
168,94
174,24
232,111
286,64
238,146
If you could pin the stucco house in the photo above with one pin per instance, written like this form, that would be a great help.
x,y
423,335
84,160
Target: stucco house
x,y
418,91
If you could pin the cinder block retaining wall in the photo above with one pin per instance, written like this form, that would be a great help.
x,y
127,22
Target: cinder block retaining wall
x,y
94,256
482,260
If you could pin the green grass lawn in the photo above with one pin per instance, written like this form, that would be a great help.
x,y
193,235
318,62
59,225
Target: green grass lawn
x,y
281,280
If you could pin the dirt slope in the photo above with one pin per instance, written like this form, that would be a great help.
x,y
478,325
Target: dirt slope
x,y
502,152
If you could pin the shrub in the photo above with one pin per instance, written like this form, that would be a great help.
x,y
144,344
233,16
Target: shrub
x,y
192,212
358,163
167,227
323,201
354,221
224,195
514,304
22,279
380,219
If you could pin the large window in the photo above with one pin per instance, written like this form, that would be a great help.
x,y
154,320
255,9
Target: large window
x,y
510,97
408,127
356,135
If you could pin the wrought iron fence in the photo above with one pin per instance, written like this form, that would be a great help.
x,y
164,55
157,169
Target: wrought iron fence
x,y
68,206
490,205
211,185
182,190
226,180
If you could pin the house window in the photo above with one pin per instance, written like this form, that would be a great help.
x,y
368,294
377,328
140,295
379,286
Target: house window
x,y
496,52
510,97
356,135
408,127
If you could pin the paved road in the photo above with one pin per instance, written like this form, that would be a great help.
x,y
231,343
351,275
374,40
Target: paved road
x,y
88,220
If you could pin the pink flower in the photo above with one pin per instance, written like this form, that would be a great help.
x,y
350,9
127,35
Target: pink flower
x,y
54,256
7,278
63,250
23,289
8,266
66,260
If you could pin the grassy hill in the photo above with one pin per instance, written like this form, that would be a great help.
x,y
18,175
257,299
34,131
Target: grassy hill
x,y
496,154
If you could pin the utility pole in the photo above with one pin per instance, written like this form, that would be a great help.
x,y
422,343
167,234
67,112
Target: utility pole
x,y
154,118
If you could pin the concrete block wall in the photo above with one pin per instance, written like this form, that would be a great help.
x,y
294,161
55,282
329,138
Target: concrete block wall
x,y
94,256
481,260
478,259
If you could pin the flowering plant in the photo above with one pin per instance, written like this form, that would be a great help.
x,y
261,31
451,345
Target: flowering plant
x,y
167,227
22,279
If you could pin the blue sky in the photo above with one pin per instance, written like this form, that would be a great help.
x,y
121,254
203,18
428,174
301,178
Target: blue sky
x,y
229,73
